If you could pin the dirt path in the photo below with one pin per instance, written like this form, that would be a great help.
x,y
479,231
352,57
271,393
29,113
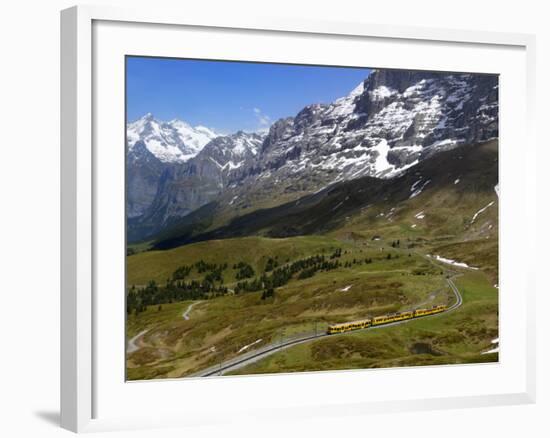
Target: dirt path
x,y
132,343
188,311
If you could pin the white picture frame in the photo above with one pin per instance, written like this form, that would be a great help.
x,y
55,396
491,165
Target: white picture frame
x,y
84,385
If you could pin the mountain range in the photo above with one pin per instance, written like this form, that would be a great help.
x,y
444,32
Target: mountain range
x,y
391,122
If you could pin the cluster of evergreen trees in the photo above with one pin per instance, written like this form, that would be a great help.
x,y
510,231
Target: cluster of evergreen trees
x,y
280,276
137,300
323,266
176,289
203,266
213,276
355,261
181,272
271,264
212,284
244,271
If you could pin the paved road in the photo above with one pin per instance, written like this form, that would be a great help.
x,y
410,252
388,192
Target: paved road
x,y
244,360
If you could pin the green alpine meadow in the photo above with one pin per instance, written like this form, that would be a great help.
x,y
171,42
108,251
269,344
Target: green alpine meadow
x,y
278,222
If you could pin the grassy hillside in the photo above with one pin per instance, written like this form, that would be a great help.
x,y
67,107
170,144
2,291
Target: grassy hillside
x,y
458,337
386,231
220,327
159,265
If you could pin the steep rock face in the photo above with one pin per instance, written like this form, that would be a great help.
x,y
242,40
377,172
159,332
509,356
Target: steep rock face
x,y
390,121
387,124
186,187
152,146
231,152
143,171
429,109
367,200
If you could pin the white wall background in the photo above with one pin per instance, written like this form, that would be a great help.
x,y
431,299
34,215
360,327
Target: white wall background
x,y
29,214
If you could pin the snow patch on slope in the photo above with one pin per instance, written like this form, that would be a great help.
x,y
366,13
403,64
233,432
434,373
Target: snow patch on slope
x,y
452,262
416,190
481,211
246,347
382,165
382,92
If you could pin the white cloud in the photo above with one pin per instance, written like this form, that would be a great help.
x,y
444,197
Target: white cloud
x,y
263,120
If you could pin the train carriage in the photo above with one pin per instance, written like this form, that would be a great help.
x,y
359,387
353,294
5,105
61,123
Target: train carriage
x,y
348,326
425,312
384,319
394,317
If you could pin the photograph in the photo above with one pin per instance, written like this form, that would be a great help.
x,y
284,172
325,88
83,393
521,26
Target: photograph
x,y
285,218
275,219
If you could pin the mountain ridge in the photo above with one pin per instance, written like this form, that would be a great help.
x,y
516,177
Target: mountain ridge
x,y
467,169
390,122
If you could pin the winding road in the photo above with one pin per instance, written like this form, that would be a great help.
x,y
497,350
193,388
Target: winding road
x,y
244,360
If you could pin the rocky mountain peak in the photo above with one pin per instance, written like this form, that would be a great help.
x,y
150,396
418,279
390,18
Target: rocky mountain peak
x,y
388,123
170,142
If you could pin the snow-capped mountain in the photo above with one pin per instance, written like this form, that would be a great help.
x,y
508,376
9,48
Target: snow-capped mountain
x,y
153,145
183,187
387,124
170,142
220,162
232,151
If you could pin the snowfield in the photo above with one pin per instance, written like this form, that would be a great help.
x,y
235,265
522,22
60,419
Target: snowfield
x,y
452,262
171,142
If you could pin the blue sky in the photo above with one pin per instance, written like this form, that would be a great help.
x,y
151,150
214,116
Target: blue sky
x,y
230,96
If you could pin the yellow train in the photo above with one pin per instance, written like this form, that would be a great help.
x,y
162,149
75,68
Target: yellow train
x,y
425,312
383,319
394,317
348,326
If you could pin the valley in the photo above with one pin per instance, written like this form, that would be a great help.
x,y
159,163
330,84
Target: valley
x,y
395,255
220,327
243,249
